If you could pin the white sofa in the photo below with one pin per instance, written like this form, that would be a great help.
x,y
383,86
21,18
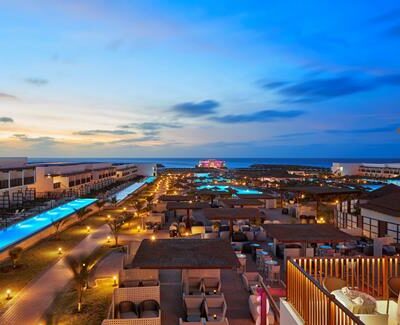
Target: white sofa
x,y
253,306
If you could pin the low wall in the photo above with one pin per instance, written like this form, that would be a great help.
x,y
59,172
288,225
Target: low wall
x,y
47,232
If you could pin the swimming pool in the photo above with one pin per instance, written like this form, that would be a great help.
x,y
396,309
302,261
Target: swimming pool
x,y
225,188
122,195
24,229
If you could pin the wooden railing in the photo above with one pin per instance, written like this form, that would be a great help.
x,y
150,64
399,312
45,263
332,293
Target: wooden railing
x,y
314,303
367,274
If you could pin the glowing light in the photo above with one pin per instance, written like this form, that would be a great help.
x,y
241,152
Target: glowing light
x,y
108,239
88,229
153,238
59,250
8,294
114,281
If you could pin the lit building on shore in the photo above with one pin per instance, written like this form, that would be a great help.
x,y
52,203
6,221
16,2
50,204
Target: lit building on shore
x,y
366,170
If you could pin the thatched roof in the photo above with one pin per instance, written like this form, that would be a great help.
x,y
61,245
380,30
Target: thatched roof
x,y
230,203
185,254
176,198
230,213
187,205
321,190
313,233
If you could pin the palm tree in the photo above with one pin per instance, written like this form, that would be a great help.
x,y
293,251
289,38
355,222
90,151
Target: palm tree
x,y
79,267
115,225
15,254
100,204
57,226
81,213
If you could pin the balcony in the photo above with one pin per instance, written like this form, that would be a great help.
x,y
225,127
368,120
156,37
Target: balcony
x,y
309,300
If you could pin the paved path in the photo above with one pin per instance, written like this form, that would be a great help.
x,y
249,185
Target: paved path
x,y
35,299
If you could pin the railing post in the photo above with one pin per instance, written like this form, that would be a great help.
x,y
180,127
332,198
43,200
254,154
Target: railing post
x,y
331,311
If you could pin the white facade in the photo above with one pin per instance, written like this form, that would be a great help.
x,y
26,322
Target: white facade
x,y
366,169
16,176
146,169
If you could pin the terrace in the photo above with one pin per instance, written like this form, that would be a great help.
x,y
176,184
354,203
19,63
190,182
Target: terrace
x,y
345,290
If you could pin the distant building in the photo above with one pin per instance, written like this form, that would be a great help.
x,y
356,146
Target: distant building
x,y
21,182
374,215
211,163
16,177
366,170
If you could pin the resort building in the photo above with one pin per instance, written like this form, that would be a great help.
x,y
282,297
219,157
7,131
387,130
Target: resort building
x,y
72,178
125,172
16,176
211,163
374,215
366,170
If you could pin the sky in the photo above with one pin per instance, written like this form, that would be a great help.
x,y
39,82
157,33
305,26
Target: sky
x,y
208,78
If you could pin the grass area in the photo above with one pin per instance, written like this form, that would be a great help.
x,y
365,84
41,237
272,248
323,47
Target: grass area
x,y
96,300
45,253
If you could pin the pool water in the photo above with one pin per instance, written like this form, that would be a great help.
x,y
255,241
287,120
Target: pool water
x,y
225,188
24,229
123,194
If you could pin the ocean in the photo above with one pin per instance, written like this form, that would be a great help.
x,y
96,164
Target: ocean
x,y
230,162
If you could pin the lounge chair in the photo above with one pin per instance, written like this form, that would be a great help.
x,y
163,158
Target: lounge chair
x,y
127,310
149,309
333,283
251,279
200,322
211,285
220,322
194,307
215,307
193,286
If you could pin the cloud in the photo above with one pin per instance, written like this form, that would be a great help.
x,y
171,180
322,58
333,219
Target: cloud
x,y
5,119
37,81
294,135
390,16
384,129
114,45
147,126
7,96
319,89
393,31
136,140
98,132
37,140
388,128
273,84
191,109
261,116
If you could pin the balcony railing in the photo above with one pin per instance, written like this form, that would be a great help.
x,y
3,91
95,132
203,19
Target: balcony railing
x,y
314,303
367,274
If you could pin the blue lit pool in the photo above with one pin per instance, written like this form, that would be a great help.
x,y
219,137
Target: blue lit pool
x,y
225,188
122,195
24,229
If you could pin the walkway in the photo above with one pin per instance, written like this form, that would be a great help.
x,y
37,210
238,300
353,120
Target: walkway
x,y
36,298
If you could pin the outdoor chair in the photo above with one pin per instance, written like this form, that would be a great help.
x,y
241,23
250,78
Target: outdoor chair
x,y
129,283
211,285
215,307
333,283
149,309
150,283
200,322
220,322
127,310
194,307
193,286
274,273
251,279
394,289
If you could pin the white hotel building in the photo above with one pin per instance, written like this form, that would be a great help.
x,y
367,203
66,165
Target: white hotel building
x,y
21,182
366,170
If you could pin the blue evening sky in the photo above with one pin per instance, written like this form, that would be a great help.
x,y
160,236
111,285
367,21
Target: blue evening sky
x,y
199,78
